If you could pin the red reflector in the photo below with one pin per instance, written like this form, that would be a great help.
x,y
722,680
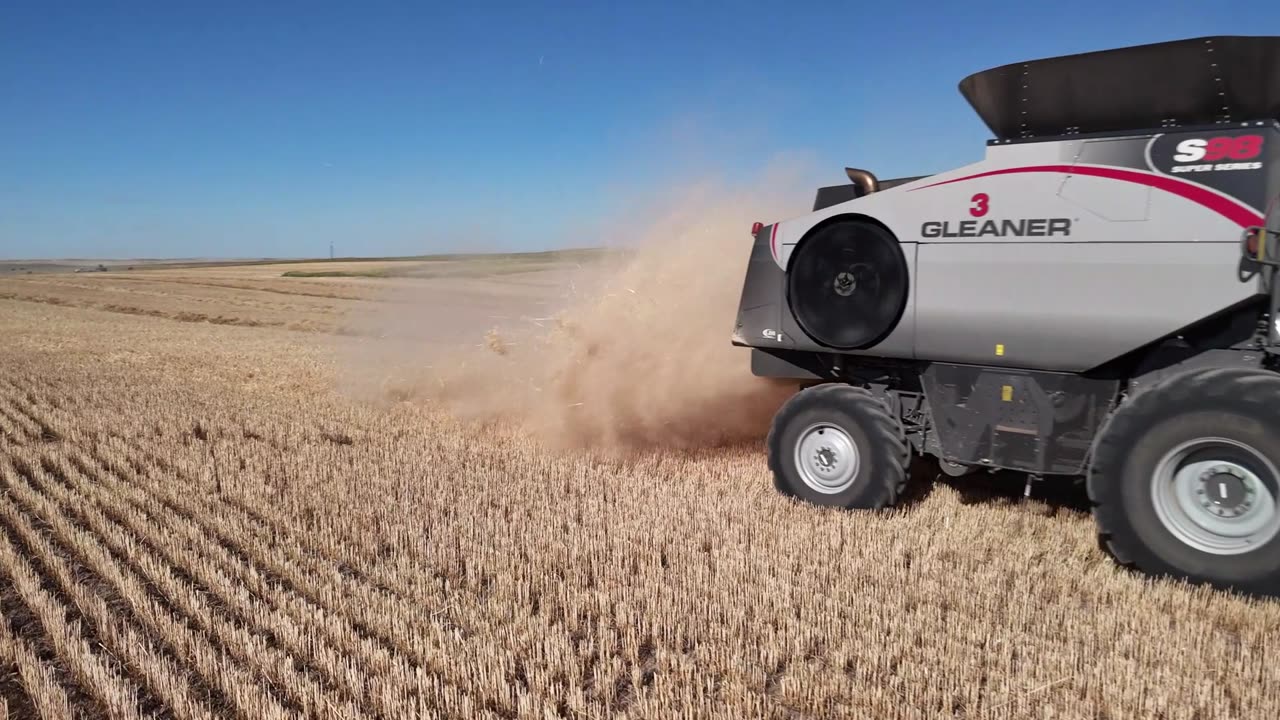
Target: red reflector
x,y
756,228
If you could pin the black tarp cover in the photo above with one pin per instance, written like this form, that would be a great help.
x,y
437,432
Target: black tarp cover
x,y
1182,82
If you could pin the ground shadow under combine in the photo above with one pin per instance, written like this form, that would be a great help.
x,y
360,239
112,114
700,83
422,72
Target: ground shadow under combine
x,y
1000,487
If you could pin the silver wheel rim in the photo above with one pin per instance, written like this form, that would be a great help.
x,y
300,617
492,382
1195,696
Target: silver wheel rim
x,y
827,458
1215,503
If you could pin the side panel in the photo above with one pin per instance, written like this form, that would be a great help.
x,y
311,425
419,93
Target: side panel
x,y
1149,244
1062,306
760,307
1067,253
1097,183
1038,422
773,363
1130,189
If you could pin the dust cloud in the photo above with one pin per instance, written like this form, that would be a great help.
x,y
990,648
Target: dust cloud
x,y
638,354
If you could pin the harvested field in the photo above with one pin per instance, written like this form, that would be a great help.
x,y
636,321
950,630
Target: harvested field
x,y
200,520
260,295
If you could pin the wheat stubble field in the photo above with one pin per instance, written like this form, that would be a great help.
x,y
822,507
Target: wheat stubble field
x,y
215,504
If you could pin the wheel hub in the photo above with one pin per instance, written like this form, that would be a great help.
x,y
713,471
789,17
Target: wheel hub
x,y
1211,494
845,284
1226,490
827,458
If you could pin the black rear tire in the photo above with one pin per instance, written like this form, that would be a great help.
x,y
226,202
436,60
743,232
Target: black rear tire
x,y
839,423
1228,418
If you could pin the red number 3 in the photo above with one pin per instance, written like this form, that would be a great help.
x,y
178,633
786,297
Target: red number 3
x,y
979,206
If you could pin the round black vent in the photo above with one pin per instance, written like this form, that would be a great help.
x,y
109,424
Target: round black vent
x,y
847,284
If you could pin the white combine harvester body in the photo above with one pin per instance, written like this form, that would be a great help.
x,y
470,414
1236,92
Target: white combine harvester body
x,y
1093,299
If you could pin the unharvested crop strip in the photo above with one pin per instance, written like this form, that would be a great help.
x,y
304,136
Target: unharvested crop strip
x,y
205,307
114,694
217,668
163,678
161,314
106,290
241,286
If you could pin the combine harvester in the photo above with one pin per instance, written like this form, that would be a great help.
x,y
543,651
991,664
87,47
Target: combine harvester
x,y
1095,299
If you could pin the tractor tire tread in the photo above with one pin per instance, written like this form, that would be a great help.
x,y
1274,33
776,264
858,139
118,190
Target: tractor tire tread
x,y
880,426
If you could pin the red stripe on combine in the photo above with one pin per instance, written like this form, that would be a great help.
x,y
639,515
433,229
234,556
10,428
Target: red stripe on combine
x,y
773,246
1226,207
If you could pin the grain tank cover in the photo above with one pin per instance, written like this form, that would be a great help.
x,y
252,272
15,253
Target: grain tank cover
x,y
1183,82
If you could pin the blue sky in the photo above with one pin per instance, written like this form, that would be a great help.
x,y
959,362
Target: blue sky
x,y
270,129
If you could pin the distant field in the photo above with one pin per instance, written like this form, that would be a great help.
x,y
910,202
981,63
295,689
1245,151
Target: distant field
x,y
315,296
35,267
200,518
544,257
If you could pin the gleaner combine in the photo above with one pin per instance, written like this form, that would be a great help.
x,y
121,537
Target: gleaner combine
x,y
1095,299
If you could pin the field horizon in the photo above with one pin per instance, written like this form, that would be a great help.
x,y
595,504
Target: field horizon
x,y
178,262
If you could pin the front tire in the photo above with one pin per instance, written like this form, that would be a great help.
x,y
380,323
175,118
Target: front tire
x,y
1185,480
838,446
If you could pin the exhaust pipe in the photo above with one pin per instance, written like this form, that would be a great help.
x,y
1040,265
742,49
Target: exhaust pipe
x,y
864,179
